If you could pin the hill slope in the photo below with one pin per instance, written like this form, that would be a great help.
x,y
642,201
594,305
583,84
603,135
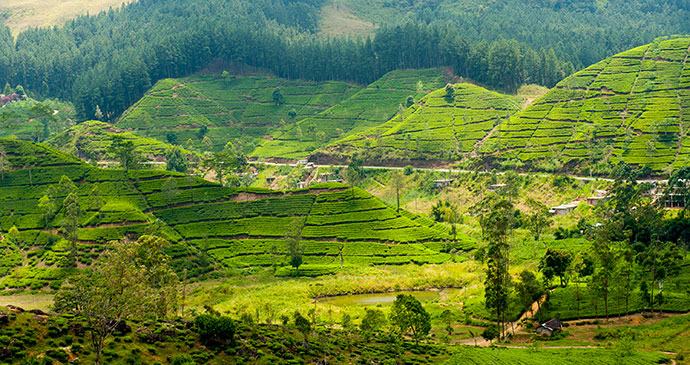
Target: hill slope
x,y
437,127
90,140
368,108
632,107
230,108
33,120
233,227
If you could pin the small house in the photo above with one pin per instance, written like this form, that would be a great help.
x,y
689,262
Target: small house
x,y
302,162
549,328
301,184
496,187
443,183
596,200
563,209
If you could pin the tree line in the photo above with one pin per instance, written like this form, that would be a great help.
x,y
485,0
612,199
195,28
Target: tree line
x,y
108,61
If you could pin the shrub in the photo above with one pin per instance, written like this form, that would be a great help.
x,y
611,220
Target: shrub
x,y
215,330
182,360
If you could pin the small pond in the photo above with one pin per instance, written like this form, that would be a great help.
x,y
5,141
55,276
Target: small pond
x,y
377,298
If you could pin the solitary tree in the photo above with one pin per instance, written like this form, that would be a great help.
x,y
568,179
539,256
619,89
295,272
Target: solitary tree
x,y
397,183
295,247
71,222
175,160
409,316
130,280
278,97
4,163
374,320
125,152
555,263
304,326
530,290
539,219
496,226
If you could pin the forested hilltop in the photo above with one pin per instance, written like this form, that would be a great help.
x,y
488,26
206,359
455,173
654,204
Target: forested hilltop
x,y
580,31
111,59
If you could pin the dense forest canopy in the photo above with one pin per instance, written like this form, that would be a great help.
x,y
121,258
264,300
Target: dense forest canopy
x,y
580,31
111,59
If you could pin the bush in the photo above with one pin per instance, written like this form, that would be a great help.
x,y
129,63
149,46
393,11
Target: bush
x,y
182,360
215,330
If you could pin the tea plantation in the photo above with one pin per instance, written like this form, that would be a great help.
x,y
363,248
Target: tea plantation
x,y
90,140
32,120
632,107
368,108
439,126
227,108
232,227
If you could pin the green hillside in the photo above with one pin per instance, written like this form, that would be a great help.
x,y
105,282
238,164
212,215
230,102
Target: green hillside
x,y
33,120
368,108
90,140
632,107
230,108
233,227
437,127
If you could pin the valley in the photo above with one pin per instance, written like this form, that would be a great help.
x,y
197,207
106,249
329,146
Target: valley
x,y
339,182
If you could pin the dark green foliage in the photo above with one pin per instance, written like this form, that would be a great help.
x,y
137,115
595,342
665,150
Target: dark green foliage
x,y
409,316
215,330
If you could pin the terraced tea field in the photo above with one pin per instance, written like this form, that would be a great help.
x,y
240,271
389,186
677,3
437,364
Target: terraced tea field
x,y
368,108
31,120
438,126
632,107
229,108
90,140
236,227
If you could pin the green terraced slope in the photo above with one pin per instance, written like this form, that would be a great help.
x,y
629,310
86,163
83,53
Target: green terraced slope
x,y
90,140
368,108
437,127
230,108
633,107
236,227
31,120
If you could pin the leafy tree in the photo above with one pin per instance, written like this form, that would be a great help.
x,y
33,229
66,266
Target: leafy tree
x,y
226,77
130,280
373,322
539,219
175,160
125,152
201,133
409,316
72,217
410,101
397,183
215,330
450,90
295,247
496,226
292,114
448,318
530,290
48,206
490,332
278,97
555,263
5,165
304,326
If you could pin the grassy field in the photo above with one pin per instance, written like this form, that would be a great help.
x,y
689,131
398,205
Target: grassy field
x,y
237,108
336,19
366,109
22,14
632,107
